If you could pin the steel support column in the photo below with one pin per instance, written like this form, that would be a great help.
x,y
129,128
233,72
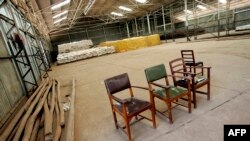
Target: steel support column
x,y
149,29
186,22
155,22
163,18
196,20
218,19
104,33
120,31
143,26
227,17
136,27
172,18
233,19
128,34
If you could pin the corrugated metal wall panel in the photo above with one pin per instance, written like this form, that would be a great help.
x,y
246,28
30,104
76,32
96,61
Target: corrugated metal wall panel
x,y
10,86
4,102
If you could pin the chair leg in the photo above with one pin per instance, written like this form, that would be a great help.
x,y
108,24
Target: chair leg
x,y
202,71
169,111
128,128
189,103
208,91
152,100
194,98
153,116
115,120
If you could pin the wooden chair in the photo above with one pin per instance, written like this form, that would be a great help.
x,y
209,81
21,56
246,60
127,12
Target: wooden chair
x,y
165,92
178,67
129,107
189,60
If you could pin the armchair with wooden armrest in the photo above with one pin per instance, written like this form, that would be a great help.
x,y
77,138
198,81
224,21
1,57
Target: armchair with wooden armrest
x,y
129,107
200,79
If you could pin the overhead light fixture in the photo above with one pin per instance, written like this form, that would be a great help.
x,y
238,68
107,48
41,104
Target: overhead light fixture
x,y
223,1
188,11
88,7
59,20
141,1
125,8
59,5
116,14
201,7
60,14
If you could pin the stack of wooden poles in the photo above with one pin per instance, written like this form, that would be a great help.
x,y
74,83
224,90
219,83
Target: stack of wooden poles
x,y
43,112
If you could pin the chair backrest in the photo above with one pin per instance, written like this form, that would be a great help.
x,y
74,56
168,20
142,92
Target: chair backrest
x,y
177,65
188,56
117,83
155,73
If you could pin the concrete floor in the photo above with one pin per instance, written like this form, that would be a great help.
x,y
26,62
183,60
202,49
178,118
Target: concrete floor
x,y
230,92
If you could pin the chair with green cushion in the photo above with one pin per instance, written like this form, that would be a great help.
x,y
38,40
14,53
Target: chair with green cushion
x,y
165,92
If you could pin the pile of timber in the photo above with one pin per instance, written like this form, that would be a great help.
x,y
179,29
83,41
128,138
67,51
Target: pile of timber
x,y
42,113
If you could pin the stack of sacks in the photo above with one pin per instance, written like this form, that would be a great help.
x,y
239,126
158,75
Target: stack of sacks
x,y
153,40
133,43
74,46
141,42
110,43
130,44
83,54
122,45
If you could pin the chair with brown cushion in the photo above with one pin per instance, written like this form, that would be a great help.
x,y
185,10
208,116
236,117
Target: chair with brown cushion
x,y
165,92
189,59
129,107
179,68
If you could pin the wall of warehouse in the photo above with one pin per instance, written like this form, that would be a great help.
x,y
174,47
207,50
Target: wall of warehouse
x,y
104,33
21,66
242,16
10,87
97,34
117,31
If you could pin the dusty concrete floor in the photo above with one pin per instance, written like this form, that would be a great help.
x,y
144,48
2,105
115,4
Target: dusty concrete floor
x,y
230,92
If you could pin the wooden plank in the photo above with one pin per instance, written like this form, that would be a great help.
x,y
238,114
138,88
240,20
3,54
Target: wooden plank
x,y
62,119
30,123
13,123
70,124
58,123
53,99
35,129
48,120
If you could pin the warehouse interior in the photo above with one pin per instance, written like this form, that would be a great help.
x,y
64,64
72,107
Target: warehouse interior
x,y
56,56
